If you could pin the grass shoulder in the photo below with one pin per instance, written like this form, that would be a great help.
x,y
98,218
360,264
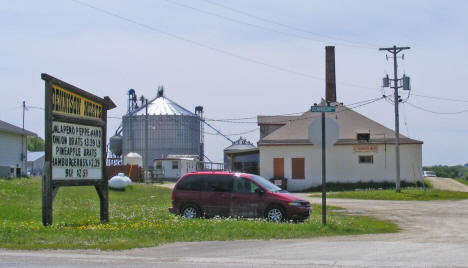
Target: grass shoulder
x,y
462,181
139,218
409,194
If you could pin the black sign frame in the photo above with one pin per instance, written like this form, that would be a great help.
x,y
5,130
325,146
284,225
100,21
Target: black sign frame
x,y
51,186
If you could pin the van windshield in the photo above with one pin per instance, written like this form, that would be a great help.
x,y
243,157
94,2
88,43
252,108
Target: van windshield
x,y
265,183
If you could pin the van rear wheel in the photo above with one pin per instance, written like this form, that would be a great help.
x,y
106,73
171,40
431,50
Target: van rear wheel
x,y
190,211
275,214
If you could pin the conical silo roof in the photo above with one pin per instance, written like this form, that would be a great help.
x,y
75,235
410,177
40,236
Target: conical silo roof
x,y
163,106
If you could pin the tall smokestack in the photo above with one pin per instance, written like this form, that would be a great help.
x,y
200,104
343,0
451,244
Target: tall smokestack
x,y
330,78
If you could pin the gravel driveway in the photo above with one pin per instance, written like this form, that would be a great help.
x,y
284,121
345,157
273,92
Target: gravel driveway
x,y
433,234
447,184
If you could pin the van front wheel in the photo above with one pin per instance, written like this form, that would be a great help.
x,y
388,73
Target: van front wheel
x,y
275,213
190,211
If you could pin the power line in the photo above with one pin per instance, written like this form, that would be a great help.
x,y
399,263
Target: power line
x,y
405,119
251,24
34,107
367,102
235,134
218,50
439,98
11,108
435,112
362,103
246,118
233,120
196,43
356,44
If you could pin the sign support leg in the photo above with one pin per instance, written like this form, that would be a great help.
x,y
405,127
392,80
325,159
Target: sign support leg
x,y
324,174
103,193
46,200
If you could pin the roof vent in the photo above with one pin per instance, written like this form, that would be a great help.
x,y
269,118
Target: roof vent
x,y
160,91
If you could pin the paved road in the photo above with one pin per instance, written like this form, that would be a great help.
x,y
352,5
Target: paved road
x,y
433,235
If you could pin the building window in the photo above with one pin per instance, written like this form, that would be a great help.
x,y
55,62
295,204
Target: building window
x,y
298,168
363,137
175,164
159,164
366,159
278,167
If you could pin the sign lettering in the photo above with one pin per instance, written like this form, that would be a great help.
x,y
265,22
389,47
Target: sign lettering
x,y
323,109
68,103
365,148
76,151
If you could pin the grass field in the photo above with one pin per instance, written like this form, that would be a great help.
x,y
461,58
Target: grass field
x,y
139,218
462,181
411,194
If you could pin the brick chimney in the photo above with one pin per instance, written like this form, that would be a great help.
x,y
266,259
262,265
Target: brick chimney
x,y
330,78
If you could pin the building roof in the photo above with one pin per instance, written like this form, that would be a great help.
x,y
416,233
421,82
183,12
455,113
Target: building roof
x,y
350,123
163,106
240,144
274,120
243,151
9,128
33,156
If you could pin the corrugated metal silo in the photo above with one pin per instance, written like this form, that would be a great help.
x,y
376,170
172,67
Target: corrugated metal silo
x,y
172,129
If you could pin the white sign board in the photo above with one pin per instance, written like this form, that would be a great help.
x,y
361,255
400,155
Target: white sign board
x,y
331,132
76,151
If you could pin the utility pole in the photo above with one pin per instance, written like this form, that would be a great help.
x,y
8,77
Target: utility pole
x,y
146,143
22,140
395,50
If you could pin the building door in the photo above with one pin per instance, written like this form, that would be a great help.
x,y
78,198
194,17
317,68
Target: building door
x,y
278,167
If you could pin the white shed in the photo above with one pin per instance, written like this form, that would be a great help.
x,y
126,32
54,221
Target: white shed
x,y
13,148
174,166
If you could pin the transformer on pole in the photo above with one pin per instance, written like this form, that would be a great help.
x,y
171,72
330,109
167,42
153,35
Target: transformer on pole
x,y
405,85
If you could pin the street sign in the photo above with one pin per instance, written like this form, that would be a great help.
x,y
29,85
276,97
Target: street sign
x,y
315,132
75,138
323,109
323,132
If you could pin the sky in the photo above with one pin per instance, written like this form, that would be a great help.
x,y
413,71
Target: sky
x,y
244,58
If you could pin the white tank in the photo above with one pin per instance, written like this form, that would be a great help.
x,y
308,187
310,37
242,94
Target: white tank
x,y
133,159
120,181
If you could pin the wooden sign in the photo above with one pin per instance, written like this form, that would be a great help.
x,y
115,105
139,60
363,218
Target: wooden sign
x,y
75,138
365,148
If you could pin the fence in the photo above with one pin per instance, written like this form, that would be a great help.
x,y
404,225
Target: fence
x,y
135,173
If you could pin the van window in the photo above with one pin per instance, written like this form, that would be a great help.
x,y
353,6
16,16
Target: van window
x,y
218,183
265,183
191,183
245,186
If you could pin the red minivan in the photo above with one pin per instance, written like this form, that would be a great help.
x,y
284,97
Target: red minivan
x,y
220,193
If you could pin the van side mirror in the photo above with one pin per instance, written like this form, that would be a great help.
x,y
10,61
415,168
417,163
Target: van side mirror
x,y
259,191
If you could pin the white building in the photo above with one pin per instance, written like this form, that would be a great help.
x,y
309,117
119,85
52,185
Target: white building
x,y
175,166
35,163
13,148
365,151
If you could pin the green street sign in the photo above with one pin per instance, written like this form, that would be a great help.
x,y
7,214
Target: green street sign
x,y
323,109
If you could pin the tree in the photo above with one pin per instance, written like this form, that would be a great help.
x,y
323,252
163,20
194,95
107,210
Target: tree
x,y
35,144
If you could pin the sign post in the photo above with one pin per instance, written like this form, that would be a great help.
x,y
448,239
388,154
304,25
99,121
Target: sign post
x,y
313,137
75,138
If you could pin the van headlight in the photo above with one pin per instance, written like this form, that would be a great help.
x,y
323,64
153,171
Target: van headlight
x,y
295,204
